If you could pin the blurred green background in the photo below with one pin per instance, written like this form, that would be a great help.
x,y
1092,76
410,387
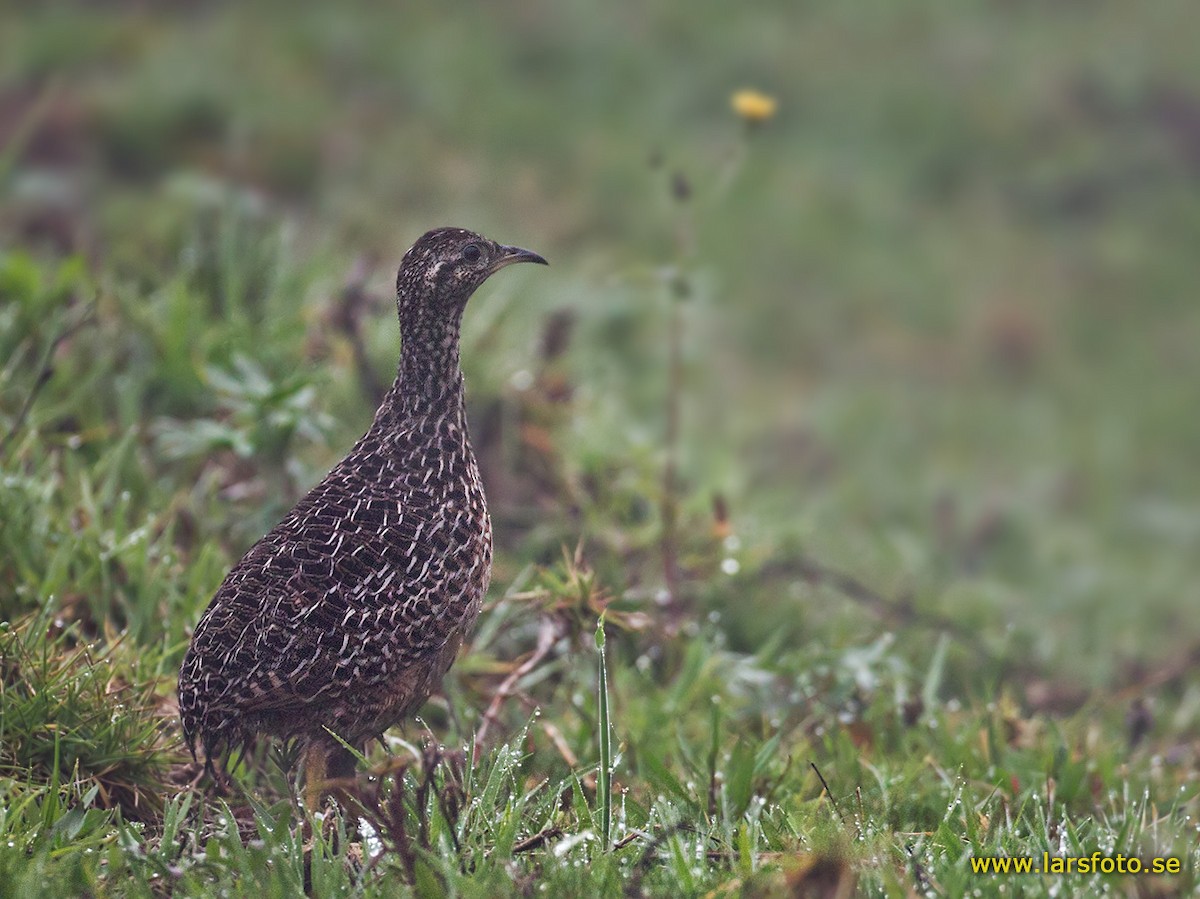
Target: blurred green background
x,y
941,328
937,315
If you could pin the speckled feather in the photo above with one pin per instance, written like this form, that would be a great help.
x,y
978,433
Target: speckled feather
x,y
347,614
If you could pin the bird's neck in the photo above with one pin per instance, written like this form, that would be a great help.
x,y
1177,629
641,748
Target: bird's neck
x,y
429,382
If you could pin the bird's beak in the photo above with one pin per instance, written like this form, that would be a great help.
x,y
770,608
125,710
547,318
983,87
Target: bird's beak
x,y
509,255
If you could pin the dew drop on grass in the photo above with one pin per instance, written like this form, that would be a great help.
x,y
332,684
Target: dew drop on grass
x,y
371,841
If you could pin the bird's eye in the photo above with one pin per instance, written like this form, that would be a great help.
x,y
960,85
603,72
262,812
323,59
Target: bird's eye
x,y
471,252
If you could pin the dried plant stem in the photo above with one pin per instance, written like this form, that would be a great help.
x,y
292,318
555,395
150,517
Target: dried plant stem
x,y
547,634
604,779
45,373
828,792
351,305
670,486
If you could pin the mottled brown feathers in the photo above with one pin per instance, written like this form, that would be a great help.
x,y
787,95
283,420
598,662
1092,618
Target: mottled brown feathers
x,y
349,611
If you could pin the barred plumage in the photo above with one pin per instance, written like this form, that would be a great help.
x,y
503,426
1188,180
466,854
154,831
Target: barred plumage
x,y
349,612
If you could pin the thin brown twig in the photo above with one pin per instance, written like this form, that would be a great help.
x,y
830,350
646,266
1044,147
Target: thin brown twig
x,y
547,634
537,840
678,290
352,304
670,500
1179,668
630,837
828,792
901,610
45,372
560,743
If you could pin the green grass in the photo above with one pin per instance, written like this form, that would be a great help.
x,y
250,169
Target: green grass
x,y
936,503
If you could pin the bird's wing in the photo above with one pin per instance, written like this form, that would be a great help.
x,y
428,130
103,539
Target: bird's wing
x,y
319,622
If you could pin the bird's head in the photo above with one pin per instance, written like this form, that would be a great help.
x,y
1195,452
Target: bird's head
x,y
444,267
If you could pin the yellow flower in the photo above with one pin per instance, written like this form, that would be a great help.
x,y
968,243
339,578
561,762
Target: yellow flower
x,y
754,107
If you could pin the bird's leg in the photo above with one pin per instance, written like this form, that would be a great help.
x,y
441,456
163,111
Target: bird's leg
x,y
315,766
323,764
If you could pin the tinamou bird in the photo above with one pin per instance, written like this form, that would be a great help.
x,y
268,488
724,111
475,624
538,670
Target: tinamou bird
x,y
348,613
